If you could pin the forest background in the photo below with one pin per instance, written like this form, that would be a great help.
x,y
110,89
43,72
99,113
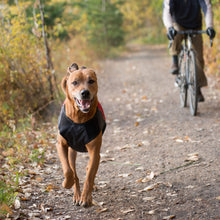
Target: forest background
x,y
40,39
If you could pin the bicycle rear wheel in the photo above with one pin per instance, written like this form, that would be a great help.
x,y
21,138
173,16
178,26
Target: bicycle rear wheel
x,y
192,83
182,80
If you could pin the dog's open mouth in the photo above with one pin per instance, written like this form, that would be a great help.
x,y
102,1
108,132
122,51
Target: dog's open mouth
x,y
83,104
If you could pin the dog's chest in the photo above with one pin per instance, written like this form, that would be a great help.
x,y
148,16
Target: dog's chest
x,y
78,135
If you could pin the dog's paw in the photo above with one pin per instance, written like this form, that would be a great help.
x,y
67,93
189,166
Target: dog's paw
x,y
85,204
76,198
68,181
86,201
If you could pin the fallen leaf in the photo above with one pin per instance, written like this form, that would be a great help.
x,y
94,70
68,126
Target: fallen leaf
x,y
187,138
8,153
107,159
189,187
169,217
179,141
39,179
95,203
45,209
151,212
192,157
5,208
139,180
218,197
102,210
148,188
148,177
32,172
140,144
125,174
136,124
140,168
67,217
128,211
148,198
51,187
154,109
125,147
17,204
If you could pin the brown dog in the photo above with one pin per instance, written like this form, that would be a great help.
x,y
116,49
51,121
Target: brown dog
x,y
81,125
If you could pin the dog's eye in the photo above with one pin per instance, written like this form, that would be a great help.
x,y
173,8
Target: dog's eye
x,y
74,83
91,81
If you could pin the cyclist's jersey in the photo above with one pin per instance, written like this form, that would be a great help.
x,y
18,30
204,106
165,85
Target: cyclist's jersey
x,y
78,135
187,13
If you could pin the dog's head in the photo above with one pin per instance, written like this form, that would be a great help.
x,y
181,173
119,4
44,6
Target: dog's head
x,y
80,86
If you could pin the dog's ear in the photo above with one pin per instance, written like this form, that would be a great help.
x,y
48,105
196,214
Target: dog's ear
x,y
63,84
72,68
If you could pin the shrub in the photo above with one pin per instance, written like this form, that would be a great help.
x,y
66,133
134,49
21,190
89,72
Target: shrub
x,y
23,75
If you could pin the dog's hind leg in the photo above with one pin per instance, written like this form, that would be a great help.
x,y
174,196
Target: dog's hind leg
x,y
62,150
94,157
76,187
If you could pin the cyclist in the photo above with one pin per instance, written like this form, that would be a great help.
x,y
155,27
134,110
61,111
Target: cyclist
x,y
180,15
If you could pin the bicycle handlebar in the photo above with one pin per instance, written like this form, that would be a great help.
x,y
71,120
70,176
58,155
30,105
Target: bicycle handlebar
x,y
191,32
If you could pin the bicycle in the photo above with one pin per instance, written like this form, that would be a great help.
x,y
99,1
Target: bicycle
x,y
187,74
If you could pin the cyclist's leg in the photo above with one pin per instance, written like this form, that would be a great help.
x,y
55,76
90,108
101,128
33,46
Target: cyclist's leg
x,y
175,49
197,43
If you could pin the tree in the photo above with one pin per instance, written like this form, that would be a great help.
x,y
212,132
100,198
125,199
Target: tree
x,y
104,25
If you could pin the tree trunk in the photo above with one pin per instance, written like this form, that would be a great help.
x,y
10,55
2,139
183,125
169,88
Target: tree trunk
x,y
50,67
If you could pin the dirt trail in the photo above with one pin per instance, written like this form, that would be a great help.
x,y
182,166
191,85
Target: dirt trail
x,y
145,171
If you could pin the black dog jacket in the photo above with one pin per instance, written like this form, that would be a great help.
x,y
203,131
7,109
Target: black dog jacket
x,y
78,135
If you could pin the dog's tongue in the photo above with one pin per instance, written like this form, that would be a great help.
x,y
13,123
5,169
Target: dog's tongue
x,y
85,104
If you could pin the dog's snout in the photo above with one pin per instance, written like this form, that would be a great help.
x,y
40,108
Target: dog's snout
x,y
85,94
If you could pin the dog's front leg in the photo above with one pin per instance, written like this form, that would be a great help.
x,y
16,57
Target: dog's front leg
x,y
94,158
62,150
76,187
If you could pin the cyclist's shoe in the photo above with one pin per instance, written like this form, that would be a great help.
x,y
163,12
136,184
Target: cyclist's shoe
x,y
178,81
174,69
200,96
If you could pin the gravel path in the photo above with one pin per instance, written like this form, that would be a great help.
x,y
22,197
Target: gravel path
x,y
158,161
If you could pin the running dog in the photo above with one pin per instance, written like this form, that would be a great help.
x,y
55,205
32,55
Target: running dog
x,y
81,126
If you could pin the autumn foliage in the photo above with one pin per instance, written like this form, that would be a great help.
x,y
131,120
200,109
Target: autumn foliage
x,y
23,74
212,55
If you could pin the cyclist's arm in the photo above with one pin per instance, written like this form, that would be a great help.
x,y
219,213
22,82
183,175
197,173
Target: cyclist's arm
x,y
167,18
207,10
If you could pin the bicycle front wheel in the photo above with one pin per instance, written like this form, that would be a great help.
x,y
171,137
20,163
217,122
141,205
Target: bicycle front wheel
x,y
192,83
182,80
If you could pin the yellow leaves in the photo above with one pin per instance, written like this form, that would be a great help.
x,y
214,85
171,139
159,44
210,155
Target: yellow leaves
x,y
136,124
50,187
